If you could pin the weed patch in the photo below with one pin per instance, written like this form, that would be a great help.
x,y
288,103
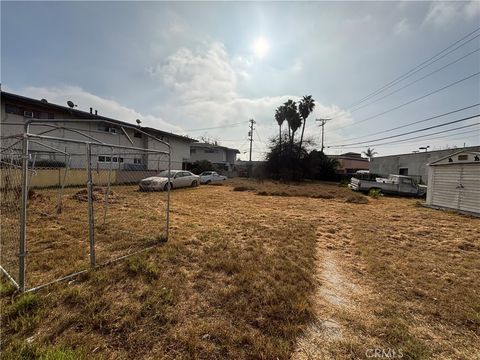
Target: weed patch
x,y
139,265
243,188
357,199
375,193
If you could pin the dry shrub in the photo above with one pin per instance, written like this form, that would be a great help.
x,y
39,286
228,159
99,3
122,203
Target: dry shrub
x,y
243,188
98,194
357,199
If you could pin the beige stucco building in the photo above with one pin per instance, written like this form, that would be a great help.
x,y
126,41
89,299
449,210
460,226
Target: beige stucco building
x,y
350,162
16,110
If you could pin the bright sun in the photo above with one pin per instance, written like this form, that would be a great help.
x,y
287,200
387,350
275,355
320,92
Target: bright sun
x,y
260,47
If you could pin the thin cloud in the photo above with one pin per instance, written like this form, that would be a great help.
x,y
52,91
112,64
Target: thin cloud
x,y
442,14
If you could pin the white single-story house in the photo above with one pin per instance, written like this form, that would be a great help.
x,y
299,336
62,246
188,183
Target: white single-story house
x,y
454,182
223,157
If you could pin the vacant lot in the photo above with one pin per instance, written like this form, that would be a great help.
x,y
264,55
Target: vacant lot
x,y
261,270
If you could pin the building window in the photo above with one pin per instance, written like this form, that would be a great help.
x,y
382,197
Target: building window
x,y
109,129
463,157
403,171
104,158
137,161
137,134
11,109
193,151
209,151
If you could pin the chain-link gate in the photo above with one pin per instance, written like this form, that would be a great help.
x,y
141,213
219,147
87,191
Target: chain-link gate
x,y
76,202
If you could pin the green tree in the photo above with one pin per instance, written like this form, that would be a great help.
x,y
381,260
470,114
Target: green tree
x,y
305,107
200,166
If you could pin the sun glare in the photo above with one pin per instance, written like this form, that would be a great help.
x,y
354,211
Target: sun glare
x,y
260,47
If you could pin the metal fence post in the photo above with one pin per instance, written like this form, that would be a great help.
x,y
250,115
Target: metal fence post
x,y
168,192
91,220
22,248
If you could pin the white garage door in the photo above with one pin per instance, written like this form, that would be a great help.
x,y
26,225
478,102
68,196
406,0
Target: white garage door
x,y
446,180
470,188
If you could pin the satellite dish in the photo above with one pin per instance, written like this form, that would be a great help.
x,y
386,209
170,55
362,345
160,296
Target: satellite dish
x,y
138,121
44,101
71,104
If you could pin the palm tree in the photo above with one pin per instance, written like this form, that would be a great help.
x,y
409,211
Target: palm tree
x,y
280,117
293,119
370,153
306,106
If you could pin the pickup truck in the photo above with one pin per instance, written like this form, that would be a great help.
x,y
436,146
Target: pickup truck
x,y
394,184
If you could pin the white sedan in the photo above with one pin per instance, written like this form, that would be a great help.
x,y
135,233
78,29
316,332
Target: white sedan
x,y
178,179
208,177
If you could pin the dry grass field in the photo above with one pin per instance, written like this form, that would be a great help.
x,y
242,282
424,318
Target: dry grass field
x,y
254,270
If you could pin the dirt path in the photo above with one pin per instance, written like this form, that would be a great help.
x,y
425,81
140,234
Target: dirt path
x,y
339,297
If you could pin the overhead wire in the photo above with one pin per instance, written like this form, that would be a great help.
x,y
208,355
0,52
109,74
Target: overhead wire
x,y
411,138
416,122
419,67
415,81
410,101
413,131
429,138
219,127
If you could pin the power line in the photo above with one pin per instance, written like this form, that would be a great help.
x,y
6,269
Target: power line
x,y
411,138
218,127
415,81
258,137
414,70
412,132
411,101
415,122
429,137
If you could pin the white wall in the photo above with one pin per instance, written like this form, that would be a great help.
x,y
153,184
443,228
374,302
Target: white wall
x,y
180,148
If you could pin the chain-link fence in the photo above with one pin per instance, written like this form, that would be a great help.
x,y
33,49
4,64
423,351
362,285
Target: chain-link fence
x,y
82,208
10,196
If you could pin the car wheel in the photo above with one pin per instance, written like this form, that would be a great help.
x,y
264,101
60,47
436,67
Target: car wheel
x,y
194,183
208,182
168,186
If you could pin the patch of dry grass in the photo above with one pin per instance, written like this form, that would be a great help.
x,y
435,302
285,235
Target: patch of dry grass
x,y
228,284
316,189
246,276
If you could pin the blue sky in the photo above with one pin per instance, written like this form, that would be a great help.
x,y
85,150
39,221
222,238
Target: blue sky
x,y
193,65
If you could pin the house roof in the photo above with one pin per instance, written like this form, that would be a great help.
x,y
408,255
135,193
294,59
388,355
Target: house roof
x,y
207,145
84,114
349,156
429,153
476,154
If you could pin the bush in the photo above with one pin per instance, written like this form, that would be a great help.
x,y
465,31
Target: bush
x,y
356,199
200,166
242,188
45,163
375,193
292,162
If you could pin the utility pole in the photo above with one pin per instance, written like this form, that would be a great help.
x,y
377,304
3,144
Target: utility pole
x,y
322,124
250,133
